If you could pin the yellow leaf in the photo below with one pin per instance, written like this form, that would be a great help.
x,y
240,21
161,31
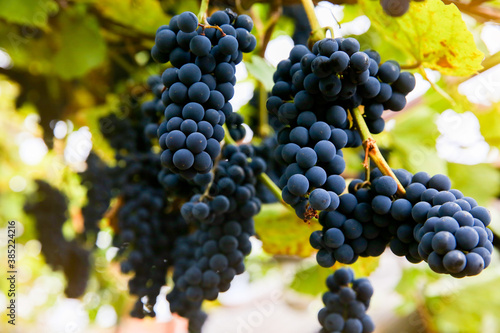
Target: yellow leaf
x,y
311,279
434,33
282,232
363,267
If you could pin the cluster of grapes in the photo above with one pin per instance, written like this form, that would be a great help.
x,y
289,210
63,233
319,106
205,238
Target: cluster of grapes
x,y
346,303
451,230
50,209
142,234
334,77
144,240
198,87
99,187
433,223
224,219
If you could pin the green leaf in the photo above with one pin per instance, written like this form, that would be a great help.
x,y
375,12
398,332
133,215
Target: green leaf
x,y
260,69
480,181
144,15
311,280
282,232
414,142
350,13
33,13
81,46
411,287
477,303
434,33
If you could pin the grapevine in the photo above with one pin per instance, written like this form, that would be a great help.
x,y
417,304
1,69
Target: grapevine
x,y
179,173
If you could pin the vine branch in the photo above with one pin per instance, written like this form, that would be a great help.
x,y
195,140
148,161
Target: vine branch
x,y
276,11
317,33
486,13
372,149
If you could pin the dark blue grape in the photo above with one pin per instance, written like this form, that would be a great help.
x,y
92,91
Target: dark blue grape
x,y
244,21
316,176
183,159
401,209
319,199
298,185
165,40
187,22
443,242
339,61
178,92
349,45
386,185
175,140
324,258
388,72
228,44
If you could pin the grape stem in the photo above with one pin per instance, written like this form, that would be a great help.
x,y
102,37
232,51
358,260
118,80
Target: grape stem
x,y
207,26
317,33
263,116
275,190
371,147
112,213
276,10
263,177
202,14
438,89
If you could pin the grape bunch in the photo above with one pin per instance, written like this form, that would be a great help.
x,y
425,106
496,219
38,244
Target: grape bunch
x,y
311,95
143,235
198,87
49,207
452,231
224,219
99,186
146,224
432,222
346,303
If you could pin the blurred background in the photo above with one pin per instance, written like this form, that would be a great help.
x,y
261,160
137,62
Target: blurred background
x,y
66,64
